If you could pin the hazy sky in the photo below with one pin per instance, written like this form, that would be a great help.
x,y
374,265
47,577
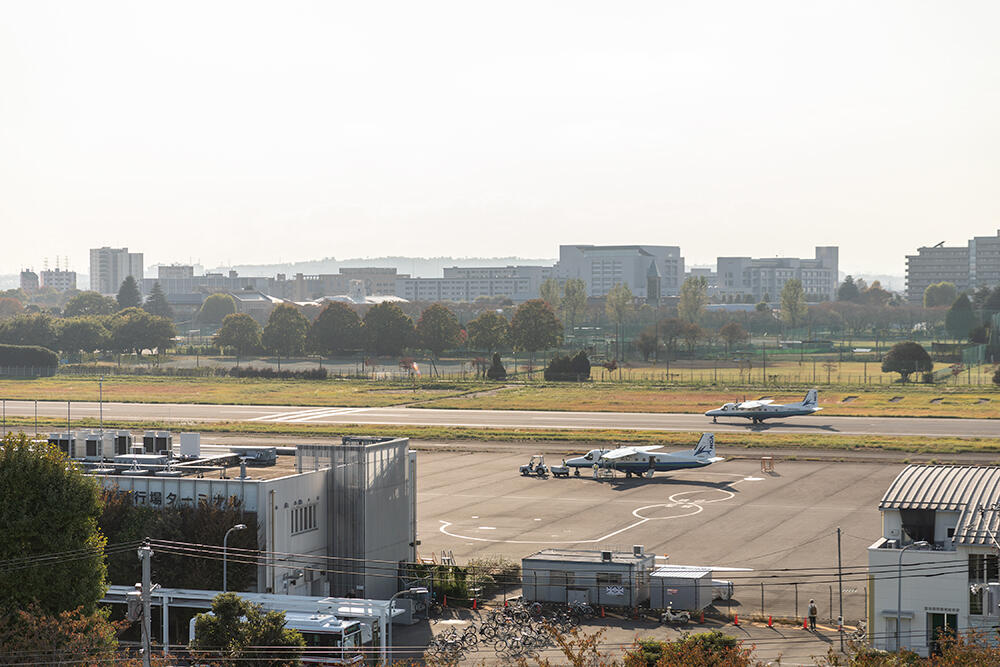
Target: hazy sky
x,y
237,132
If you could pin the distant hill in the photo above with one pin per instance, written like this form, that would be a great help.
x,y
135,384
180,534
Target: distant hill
x,y
418,267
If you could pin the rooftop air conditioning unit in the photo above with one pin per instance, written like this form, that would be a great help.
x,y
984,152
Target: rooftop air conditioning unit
x,y
606,556
190,445
638,551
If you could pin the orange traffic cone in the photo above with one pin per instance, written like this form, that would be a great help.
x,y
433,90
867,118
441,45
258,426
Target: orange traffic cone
x,y
602,611
474,607
702,619
505,604
805,623
445,601
736,619
770,621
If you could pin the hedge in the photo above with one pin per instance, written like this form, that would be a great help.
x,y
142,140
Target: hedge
x,y
27,355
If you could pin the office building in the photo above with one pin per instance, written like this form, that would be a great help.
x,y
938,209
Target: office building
x,y
109,267
746,278
466,284
968,267
603,267
29,281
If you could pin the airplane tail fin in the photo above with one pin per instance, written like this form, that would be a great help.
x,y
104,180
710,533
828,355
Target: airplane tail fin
x,y
812,397
705,446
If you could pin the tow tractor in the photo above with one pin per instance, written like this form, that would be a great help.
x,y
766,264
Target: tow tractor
x,y
535,467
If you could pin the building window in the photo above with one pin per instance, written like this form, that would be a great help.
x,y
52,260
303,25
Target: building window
x,y
983,568
561,578
609,579
976,594
303,519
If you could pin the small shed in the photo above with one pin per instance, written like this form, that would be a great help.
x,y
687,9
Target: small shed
x,y
612,578
680,589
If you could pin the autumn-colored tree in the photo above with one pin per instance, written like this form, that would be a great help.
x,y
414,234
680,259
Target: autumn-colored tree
x,y
489,331
35,636
733,332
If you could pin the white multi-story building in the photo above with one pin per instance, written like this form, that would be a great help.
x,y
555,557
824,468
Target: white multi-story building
x,y
974,265
109,267
742,277
937,555
58,279
466,284
603,267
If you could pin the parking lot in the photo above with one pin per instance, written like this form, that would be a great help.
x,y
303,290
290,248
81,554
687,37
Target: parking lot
x,y
783,524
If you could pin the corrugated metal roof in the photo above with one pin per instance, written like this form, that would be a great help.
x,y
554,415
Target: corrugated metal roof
x,y
963,489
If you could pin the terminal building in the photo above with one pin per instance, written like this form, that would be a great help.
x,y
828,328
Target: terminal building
x,y
351,505
935,566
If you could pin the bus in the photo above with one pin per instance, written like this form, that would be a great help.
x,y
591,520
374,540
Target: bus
x,y
330,641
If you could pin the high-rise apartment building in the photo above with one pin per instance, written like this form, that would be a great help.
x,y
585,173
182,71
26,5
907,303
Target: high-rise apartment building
x,y
109,267
603,267
58,279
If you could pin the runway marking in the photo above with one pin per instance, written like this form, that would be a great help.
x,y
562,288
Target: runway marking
x,y
305,415
675,501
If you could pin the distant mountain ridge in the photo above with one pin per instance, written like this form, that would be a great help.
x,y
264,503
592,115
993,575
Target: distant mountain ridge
x,y
418,267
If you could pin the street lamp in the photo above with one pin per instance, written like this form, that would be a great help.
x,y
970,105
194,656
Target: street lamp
x,y
416,590
225,539
899,586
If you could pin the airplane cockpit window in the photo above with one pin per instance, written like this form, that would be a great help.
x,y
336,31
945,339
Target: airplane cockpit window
x,y
589,456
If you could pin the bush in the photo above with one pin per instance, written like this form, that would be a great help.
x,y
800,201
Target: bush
x,y
271,374
496,370
996,376
569,369
27,355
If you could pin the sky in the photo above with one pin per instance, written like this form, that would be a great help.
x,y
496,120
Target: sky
x,y
245,132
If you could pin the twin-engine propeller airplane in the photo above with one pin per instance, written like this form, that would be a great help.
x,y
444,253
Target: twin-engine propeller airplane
x,y
758,411
646,460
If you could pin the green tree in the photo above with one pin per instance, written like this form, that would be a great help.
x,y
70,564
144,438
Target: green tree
x,y
285,332
848,291
733,332
618,305
906,358
550,292
32,636
30,329
386,329
671,330
960,319
647,342
240,332
128,294
793,303
992,303
337,330
694,297
49,507
534,327
215,308
940,294
135,330
157,304
438,329
236,627
83,334
574,301
489,331
89,304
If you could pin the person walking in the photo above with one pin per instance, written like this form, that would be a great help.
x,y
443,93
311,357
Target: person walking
x,y
813,613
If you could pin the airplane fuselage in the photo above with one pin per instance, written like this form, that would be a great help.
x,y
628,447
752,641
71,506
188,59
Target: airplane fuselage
x,y
641,465
761,413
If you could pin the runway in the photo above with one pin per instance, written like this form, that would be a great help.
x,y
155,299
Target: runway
x,y
503,419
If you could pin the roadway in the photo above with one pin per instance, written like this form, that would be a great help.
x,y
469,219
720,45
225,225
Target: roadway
x,y
503,419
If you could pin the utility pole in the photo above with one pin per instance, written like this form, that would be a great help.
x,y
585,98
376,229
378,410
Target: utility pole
x,y
145,553
840,592
100,401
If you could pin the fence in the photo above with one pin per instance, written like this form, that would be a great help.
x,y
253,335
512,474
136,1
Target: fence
x,y
27,371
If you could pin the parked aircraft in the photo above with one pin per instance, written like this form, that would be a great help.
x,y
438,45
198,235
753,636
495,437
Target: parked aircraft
x,y
758,411
646,460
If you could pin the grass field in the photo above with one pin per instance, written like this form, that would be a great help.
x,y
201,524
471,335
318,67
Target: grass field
x,y
574,439
229,391
898,401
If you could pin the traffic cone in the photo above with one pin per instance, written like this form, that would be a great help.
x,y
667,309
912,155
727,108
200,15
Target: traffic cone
x,y
736,619
445,601
702,619
805,623
602,611
505,604
770,621
474,607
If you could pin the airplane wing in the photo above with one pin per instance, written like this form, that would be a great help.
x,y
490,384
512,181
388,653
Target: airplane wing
x,y
750,405
647,448
619,453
